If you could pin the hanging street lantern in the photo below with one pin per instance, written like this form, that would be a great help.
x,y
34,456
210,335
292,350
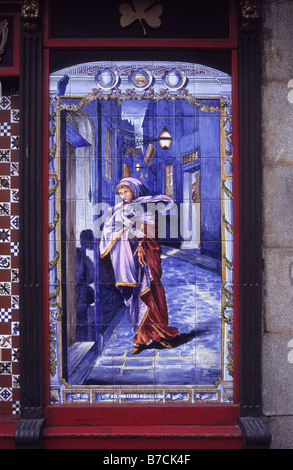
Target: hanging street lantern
x,y
165,139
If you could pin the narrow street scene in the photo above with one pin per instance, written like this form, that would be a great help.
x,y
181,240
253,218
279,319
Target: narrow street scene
x,y
194,307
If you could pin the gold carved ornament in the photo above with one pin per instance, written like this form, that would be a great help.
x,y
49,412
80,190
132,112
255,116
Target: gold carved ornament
x,y
30,13
3,36
140,10
249,15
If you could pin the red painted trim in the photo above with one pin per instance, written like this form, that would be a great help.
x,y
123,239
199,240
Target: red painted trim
x,y
217,414
138,43
14,70
16,44
133,415
143,437
234,22
235,142
47,23
146,431
8,425
145,443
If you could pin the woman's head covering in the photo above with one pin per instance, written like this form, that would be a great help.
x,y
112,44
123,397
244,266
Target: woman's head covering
x,y
137,187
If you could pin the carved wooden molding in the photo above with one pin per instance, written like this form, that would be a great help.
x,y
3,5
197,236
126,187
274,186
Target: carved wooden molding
x,y
30,13
249,15
3,36
29,431
29,434
256,433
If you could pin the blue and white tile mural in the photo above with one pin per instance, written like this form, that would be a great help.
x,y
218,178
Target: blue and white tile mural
x,y
141,233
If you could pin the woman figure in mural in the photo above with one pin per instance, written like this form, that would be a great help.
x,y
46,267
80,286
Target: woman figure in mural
x,y
130,236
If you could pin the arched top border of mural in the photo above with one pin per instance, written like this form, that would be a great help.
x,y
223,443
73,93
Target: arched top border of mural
x,y
140,80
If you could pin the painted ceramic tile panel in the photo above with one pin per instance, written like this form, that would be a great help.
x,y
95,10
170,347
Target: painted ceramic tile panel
x,y
9,251
141,233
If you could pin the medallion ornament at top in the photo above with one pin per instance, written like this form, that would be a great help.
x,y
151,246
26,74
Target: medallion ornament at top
x,y
107,78
140,79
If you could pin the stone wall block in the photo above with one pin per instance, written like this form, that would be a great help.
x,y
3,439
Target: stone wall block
x,y
276,374
278,290
278,206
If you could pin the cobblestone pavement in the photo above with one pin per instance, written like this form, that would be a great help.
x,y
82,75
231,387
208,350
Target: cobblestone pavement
x,y
194,301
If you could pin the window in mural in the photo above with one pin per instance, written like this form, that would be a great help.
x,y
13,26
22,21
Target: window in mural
x,y
141,233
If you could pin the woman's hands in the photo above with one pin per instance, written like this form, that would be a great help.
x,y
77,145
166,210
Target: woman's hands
x,y
140,254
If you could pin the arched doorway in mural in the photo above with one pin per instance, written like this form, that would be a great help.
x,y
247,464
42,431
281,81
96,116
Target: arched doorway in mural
x,y
107,120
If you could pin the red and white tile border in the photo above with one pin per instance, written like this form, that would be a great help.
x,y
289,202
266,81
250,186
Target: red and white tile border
x,y
9,268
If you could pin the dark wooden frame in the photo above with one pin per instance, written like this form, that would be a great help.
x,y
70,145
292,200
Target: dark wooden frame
x,y
35,411
255,431
28,432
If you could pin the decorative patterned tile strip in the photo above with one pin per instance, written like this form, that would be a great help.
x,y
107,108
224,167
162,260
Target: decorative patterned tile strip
x,y
9,273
